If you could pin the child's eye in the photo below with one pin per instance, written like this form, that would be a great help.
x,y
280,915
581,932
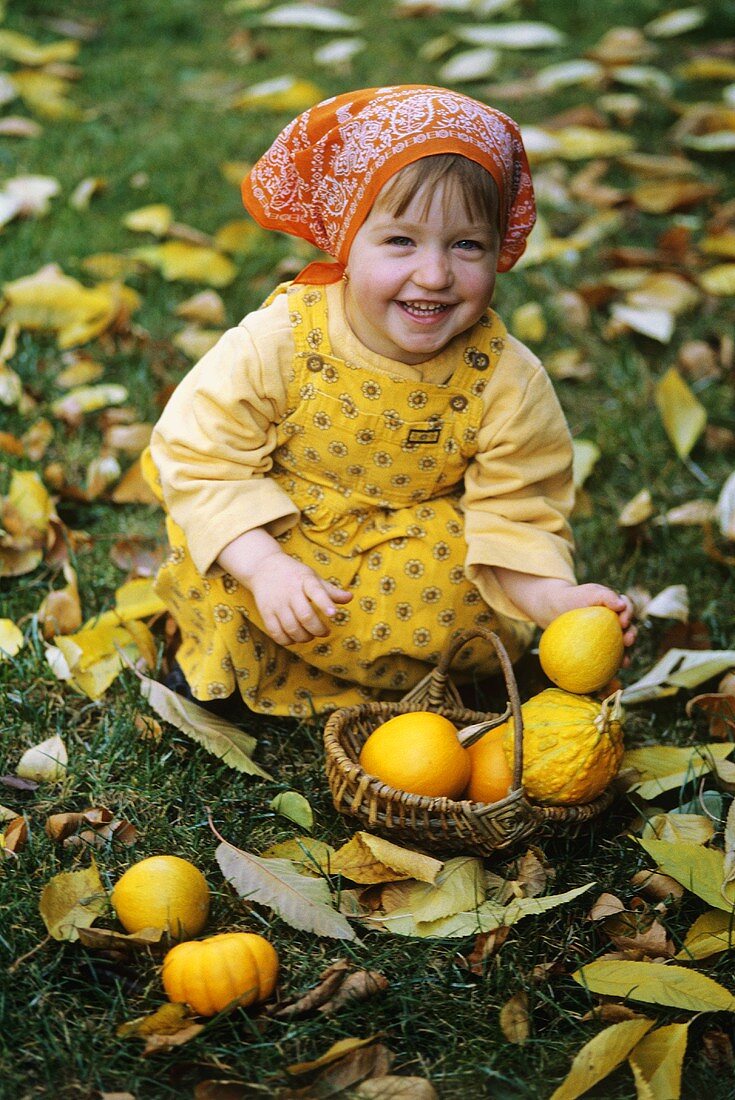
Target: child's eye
x,y
400,242
468,246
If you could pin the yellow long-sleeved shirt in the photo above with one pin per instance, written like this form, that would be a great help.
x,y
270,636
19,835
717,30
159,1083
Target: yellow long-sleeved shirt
x,y
213,447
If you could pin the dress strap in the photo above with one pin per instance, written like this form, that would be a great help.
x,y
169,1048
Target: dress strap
x,y
307,309
485,344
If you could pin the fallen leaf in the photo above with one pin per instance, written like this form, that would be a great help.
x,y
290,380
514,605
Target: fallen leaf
x,y
168,1027
312,856
105,939
470,65
699,869
155,218
717,1049
601,1055
692,828
661,985
333,1054
657,886
711,933
673,23
514,1018
14,837
282,93
11,639
391,1087
607,905
303,902
232,745
72,900
720,708
309,16
586,455
295,807
366,858
683,416
45,762
512,36
679,668
718,280
206,307
637,510
658,1058
180,261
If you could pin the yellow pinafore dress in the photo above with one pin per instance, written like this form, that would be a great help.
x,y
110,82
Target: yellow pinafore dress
x,y
375,463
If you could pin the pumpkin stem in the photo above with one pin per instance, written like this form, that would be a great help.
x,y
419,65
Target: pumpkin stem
x,y
611,710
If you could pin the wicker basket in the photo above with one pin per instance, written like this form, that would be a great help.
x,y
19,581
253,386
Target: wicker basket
x,y
441,824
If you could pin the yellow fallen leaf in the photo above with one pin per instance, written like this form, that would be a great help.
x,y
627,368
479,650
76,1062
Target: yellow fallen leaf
x,y
719,280
637,510
664,290
132,488
665,196
235,171
514,1018
283,93
528,323
23,49
720,244
85,191
239,237
583,143
111,265
72,900
690,828
51,300
660,985
660,768
336,1051
658,1058
11,639
586,454
711,933
370,859
29,505
600,1056
80,372
185,262
684,417
102,471
708,68
155,218
87,399
91,659
44,763
45,94
699,869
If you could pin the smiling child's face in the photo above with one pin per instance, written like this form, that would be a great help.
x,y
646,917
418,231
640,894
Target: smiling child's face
x,y
418,279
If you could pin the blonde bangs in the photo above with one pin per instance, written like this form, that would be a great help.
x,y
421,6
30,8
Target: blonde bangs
x,y
469,182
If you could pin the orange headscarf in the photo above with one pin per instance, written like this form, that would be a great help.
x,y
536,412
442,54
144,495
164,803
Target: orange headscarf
x,y
322,174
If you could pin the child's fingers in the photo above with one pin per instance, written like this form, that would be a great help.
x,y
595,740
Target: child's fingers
x,y
339,595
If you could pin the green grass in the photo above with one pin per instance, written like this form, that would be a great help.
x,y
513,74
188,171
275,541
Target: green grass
x,y
61,1004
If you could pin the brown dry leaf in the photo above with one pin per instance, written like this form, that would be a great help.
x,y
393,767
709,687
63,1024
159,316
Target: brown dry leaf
x,y
622,46
656,886
148,728
369,859
720,708
607,905
14,837
72,900
129,438
136,556
532,875
611,1013
170,1026
570,363
653,943
514,1018
61,611
104,939
337,986
717,1047
486,945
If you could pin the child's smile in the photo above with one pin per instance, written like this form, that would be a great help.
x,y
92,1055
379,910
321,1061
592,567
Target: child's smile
x,y
418,280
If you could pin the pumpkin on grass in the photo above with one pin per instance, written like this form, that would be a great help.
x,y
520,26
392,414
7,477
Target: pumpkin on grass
x,y
210,974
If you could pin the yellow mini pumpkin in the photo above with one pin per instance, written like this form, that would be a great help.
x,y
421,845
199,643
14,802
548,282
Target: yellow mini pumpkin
x,y
213,973
572,746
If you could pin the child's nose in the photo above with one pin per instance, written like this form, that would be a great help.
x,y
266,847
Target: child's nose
x,y
433,270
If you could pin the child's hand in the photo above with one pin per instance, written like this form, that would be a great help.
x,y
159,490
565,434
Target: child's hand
x,y
288,594
597,595
545,598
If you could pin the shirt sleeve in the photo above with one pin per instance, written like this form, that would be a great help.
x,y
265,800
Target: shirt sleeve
x,y
213,443
519,490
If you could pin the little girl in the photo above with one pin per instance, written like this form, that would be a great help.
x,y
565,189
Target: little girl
x,y
370,463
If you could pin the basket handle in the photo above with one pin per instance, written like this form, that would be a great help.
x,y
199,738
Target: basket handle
x,y
442,692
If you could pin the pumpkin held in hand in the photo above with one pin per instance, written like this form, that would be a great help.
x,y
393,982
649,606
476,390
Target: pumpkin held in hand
x,y
582,649
210,974
572,746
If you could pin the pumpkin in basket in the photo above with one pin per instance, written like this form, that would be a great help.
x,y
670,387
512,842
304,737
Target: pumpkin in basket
x,y
572,746
419,753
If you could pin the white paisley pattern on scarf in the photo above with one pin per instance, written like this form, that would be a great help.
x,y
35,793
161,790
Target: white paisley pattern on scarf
x,y
318,179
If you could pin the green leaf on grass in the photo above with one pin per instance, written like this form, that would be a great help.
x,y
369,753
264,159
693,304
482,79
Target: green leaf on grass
x,y
656,984
295,807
